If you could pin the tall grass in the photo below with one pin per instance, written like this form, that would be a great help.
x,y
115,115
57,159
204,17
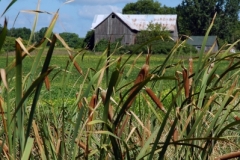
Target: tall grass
x,y
113,116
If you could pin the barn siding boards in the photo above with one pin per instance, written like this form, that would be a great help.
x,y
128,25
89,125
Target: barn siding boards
x,y
117,25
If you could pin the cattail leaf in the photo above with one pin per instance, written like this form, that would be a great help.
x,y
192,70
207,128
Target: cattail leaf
x,y
38,140
39,86
4,77
76,64
35,11
28,149
3,34
9,5
139,121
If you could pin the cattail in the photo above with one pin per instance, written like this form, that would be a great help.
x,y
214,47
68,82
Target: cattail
x,y
229,156
81,144
47,83
190,71
186,82
236,118
76,65
175,135
5,147
93,103
155,99
141,77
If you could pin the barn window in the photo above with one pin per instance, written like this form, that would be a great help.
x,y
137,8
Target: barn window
x,y
113,16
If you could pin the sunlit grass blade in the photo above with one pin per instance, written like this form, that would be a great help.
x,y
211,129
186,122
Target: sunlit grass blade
x,y
3,34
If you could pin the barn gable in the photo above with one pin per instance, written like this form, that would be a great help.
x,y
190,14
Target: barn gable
x,y
117,25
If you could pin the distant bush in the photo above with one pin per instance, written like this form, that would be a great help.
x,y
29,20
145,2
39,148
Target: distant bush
x,y
103,44
9,44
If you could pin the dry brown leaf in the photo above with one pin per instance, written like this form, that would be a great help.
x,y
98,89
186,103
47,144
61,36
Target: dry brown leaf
x,y
4,77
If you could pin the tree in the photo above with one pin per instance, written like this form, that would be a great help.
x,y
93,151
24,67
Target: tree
x,y
195,16
147,7
24,33
88,41
153,31
72,39
40,34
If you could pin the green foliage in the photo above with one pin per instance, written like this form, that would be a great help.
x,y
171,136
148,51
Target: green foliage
x,y
72,40
147,7
23,33
88,41
195,16
153,31
102,45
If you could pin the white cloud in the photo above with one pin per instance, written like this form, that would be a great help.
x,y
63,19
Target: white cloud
x,y
88,11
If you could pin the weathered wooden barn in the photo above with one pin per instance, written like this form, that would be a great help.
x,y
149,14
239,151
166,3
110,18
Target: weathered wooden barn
x,y
117,25
197,41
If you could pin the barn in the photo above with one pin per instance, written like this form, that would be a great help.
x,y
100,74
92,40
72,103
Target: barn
x,y
126,26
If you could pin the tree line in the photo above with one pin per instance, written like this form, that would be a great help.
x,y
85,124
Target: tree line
x,y
72,39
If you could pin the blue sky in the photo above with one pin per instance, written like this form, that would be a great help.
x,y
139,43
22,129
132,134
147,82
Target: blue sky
x,y
75,17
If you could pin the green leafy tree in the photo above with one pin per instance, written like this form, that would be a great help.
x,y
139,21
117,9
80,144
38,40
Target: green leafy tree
x,y
147,7
153,31
24,33
158,38
72,39
88,41
195,16
40,34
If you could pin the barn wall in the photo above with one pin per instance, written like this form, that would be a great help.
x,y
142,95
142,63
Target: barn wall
x,y
114,28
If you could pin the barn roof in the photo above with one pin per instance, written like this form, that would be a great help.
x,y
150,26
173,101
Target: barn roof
x,y
140,22
198,40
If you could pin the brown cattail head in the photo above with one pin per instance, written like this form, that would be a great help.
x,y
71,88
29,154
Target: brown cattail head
x,y
175,135
142,74
47,83
5,147
141,77
236,118
185,82
92,105
81,144
155,99
190,71
76,65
